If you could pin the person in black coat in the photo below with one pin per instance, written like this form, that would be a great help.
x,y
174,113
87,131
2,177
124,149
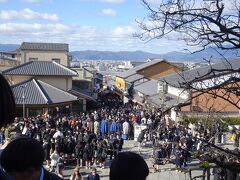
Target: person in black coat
x,y
79,153
179,157
46,149
7,110
128,166
102,153
23,159
49,176
87,156
140,140
93,175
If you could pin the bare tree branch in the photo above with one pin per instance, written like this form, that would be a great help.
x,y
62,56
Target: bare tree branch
x,y
200,23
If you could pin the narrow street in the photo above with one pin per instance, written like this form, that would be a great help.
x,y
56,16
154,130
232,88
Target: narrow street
x,y
146,154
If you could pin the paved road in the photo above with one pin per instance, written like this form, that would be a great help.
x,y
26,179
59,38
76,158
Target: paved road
x,y
146,154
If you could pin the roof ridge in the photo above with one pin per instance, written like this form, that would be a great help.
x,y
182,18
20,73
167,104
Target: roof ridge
x,y
209,66
22,82
135,69
149,80
65,67
16,67
40,68
46,46
40,90
43,43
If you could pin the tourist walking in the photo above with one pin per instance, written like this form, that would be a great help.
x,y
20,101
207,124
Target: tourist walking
x,y
125,130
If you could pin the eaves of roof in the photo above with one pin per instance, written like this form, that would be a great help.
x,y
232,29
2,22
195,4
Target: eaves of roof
x,y
40,68
37,92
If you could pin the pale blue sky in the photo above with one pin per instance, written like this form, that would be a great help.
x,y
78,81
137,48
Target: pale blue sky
x,y
84,24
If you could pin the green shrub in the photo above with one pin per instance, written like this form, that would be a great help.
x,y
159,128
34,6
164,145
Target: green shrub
x,y
227,120
232,120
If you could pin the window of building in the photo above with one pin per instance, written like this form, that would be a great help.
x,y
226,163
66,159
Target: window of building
x,y
57,60
33,59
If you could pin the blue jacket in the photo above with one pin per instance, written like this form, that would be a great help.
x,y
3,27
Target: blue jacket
x,y
113,128
104,128
119,127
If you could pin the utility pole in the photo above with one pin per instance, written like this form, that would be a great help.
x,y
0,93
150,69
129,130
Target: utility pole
x,y
23,99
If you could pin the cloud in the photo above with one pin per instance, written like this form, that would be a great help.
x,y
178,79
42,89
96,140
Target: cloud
x,y
84,37
113,1
153,1
109,12
103,1
19,29
27,14
124,31
3,1
32,1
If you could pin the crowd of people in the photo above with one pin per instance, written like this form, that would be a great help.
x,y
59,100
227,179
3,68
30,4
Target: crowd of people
x,y
179,144
85,139
88,139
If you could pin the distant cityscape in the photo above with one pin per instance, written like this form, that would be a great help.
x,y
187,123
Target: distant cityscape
x,y
207,54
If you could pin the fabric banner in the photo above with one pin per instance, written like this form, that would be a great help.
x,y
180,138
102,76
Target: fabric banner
x,y
120,83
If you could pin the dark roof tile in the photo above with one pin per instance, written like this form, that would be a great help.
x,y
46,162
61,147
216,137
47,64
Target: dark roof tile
x,y
40,68
38,93
201,73
44,46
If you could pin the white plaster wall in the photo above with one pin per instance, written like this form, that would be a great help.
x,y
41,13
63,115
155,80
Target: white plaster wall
x,y
64,83
173,114
17,79
178,92
45,56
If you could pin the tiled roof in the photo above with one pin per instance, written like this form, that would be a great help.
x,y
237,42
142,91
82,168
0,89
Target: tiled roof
x,y
134,70
40,68
201,73
147,88
90,69
39,93
139,67
44,46
79,92
134,77
169,102
136,63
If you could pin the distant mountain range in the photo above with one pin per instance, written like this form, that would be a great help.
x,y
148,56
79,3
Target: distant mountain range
x,y
109,55
8,47
142,55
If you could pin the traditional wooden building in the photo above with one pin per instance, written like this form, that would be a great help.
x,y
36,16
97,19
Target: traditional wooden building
x,y
40,86
209,89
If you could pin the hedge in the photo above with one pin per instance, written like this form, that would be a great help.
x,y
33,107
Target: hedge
x,y
227,120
